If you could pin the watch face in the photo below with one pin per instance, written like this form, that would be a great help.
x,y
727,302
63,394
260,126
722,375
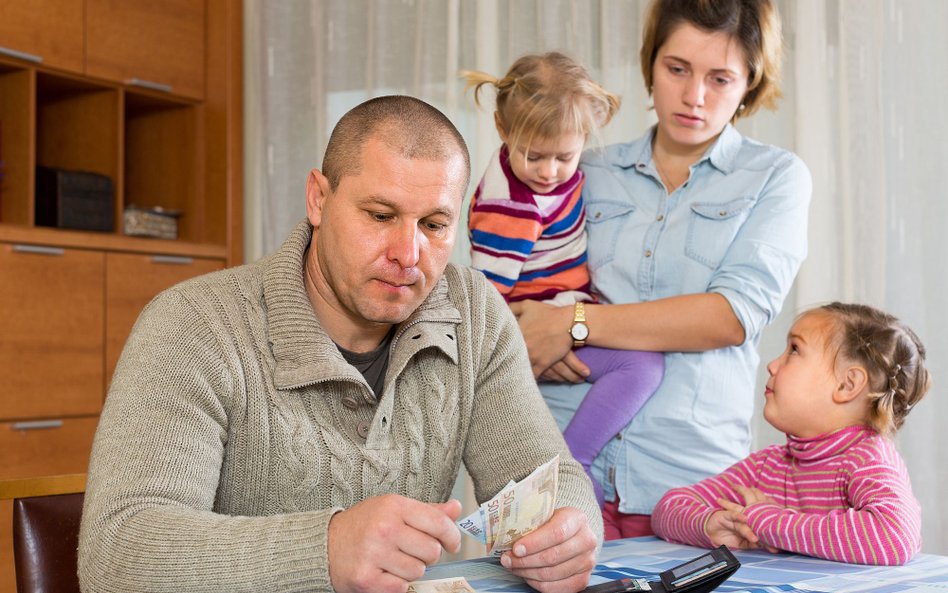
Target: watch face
x,y
579,331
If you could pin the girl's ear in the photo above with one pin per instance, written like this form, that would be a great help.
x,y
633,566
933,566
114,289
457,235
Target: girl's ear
x,y
855,380
500,128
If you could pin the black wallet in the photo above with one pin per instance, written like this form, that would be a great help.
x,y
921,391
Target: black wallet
x,y
699,575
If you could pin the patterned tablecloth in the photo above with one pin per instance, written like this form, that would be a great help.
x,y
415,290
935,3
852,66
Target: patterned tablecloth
x,y
760,572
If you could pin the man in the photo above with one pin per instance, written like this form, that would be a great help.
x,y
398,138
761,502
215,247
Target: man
x,y
297,424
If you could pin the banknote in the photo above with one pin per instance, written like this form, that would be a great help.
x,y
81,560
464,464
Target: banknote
x,y
455,585
519,508
524,507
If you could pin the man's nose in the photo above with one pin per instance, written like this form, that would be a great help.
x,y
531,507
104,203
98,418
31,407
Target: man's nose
x,y
405,245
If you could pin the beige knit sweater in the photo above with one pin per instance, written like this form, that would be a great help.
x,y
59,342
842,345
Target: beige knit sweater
x,y
231,432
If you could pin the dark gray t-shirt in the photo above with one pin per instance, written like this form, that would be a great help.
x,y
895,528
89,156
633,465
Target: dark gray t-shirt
x,y
372,364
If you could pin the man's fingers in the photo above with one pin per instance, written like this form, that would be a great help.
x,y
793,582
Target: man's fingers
x,y
564,524
433,520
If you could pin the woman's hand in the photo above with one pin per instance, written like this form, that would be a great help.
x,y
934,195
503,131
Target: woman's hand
x,y
545,329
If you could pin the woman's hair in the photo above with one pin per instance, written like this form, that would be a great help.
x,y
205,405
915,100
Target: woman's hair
x,y
546,96
753,24
892,355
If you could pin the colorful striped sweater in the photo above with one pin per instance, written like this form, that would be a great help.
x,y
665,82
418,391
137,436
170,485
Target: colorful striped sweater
x,y
530,246
843,496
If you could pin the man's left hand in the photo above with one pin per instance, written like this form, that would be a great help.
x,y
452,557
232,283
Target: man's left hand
x,y
557,557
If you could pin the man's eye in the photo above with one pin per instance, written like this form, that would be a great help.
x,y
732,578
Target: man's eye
x,y
380,217
434,226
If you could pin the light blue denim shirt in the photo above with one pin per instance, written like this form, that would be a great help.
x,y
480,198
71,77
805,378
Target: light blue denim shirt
x,y
736,227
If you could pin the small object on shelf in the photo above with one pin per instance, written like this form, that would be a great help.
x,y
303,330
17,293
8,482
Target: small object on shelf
x,y
74,199
151,222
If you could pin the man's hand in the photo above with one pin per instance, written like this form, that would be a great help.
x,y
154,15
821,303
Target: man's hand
x,y
383,543
557,557
545,329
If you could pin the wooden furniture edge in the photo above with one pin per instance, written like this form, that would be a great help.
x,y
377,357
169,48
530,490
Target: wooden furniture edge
x,y
42,486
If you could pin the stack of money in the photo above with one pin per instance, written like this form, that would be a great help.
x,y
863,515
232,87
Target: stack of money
x,y
516,510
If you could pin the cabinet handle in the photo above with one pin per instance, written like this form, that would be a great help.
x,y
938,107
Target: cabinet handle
x,y
172,259
38,249
13,53
37,424
150,84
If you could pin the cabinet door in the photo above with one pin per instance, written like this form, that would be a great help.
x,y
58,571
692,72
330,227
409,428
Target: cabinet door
x,y
47,31
52,331
151,43
132,280
38,449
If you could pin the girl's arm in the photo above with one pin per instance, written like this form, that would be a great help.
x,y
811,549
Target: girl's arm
x,y
882,526
681,515
501,243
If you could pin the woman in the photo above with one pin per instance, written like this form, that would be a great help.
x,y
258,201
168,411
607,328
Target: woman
x,y
695,236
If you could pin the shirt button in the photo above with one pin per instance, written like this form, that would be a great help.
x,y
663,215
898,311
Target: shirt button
x,y
350,402
660,217
722,213
597,215
363,429
648,253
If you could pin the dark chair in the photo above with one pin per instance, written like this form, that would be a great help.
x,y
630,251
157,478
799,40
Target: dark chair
x,y
46,513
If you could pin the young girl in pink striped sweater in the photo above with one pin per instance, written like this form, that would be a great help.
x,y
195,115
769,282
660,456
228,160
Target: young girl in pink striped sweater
x,y
838,489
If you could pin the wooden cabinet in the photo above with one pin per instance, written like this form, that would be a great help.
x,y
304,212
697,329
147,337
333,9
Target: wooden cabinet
x,y
68,298
156,44
52,328
47,32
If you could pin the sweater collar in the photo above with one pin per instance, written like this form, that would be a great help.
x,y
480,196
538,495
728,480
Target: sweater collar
x,y
303,351
829,444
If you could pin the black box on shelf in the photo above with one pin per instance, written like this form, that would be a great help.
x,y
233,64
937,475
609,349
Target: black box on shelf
x,y
74,199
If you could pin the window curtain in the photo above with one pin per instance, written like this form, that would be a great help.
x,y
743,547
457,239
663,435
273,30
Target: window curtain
x,y
862,79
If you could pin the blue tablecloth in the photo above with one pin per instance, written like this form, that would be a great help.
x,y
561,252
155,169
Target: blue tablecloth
x,y
760,572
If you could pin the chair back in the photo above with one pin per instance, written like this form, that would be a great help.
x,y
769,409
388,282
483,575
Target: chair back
x,y
46,533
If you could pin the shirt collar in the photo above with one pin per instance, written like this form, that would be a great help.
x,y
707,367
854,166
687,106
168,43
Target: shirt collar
x,y
722,154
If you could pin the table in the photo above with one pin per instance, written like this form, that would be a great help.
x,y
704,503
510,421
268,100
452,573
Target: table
x,y
760,572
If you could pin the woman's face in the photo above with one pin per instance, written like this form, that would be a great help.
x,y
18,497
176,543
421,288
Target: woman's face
x,y
699,79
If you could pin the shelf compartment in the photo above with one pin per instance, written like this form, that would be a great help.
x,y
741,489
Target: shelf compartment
x,y
78,127
16,144
164,159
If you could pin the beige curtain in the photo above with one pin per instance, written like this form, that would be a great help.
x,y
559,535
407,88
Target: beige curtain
x,y
862,83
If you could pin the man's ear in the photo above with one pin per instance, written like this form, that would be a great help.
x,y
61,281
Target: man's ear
x,y
317,190
854,381
500,128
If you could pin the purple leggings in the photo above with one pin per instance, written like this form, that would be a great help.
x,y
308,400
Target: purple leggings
x,y
622,381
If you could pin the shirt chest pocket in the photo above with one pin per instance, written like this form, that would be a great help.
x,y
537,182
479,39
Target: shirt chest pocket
x,y
604,222
712,228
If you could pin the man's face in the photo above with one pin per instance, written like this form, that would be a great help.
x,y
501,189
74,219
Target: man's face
x,y
384,236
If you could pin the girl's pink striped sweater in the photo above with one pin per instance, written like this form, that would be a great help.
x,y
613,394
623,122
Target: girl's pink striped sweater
x,y
843,496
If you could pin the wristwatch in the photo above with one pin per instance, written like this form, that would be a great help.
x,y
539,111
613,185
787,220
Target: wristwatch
x,y
579,330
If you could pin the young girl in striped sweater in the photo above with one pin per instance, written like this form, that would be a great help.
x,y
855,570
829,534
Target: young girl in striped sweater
x,y
528,227
838,489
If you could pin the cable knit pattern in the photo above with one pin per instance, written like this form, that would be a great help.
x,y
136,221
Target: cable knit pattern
x,y
225,445
844,496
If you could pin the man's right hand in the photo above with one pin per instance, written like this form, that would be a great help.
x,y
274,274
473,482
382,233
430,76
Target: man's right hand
x,y
385,542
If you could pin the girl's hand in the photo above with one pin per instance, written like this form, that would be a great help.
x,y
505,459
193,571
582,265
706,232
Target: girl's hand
x,y
737,510
729,527
753,495
545,329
